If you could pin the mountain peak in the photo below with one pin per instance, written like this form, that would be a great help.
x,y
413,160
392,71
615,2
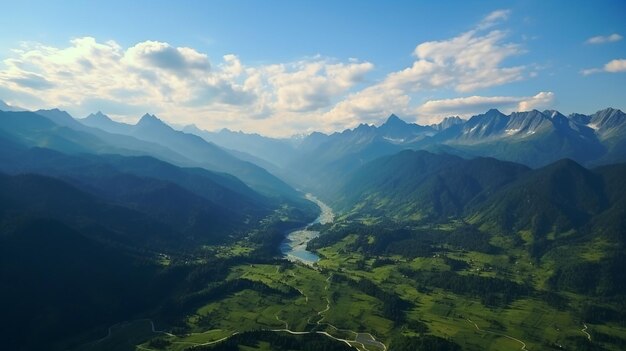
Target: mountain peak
x,y
101,121
454,119
362,127
55,112
488,117
192,128
608,119
393,119
6,107
564,166
493,112
447,123
98,116
609,112
149,119
229,131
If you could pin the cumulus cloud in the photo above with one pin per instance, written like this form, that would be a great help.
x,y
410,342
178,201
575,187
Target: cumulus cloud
x,y
433,110
31,80
154,54
604,39
307,86
616,66
184,85
543,100
179,82
470,61
467,62
613,66
369,105
90,75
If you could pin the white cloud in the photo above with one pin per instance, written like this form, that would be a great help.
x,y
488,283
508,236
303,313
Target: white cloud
x,y
493,18
586,72
543,100
151,55
232,66
616,66
31,81
433,110
470,61
613,66
310,85
604,39
467,62
184,85
467,105
369,105
178,83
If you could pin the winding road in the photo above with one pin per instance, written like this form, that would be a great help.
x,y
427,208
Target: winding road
x,y
584,330
361,341
499,334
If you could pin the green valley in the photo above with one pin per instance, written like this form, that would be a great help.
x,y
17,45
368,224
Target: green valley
x,y
450,285
456,297
312,175
108,250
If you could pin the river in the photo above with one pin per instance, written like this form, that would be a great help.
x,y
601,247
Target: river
x,y
294,245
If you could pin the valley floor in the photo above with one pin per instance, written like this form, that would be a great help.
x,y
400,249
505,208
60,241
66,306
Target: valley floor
x,y
448,298
330,303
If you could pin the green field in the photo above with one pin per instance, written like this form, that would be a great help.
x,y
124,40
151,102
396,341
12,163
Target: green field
x,y
348,297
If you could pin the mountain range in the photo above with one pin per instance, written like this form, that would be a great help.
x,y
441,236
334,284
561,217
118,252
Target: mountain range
x,y
90,219
190,196
320,162
203,153
125,220
532,138
427,187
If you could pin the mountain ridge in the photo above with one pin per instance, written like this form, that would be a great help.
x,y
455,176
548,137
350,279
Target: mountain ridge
x,y
503,196
169,145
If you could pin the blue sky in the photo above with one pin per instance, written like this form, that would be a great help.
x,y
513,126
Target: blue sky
x,y
284,67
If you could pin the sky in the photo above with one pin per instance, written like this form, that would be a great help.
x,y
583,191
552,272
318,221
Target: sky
x,y
281,68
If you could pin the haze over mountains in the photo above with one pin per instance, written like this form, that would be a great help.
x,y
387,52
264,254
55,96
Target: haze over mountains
x,y
313,176
532,138
245,171
175,211
96,211
461,165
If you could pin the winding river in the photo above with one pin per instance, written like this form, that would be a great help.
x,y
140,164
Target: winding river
x,y
294,245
